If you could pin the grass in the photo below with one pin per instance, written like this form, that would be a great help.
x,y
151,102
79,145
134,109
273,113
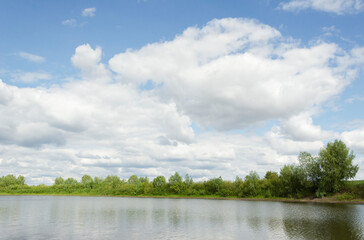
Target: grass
x,y
356,182
340,198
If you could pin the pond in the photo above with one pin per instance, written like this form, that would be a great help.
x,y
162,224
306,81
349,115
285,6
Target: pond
x,y
73,217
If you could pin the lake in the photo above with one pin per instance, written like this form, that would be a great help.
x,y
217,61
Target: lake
x,y
72,217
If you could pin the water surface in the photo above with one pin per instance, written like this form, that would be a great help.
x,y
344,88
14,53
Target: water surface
x,y
66,217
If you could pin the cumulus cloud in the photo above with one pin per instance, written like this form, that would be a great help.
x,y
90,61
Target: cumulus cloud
x,y
88,60
355,139
6,92
229,74
89,12
31,57
300,127
334,6
112,121
232,73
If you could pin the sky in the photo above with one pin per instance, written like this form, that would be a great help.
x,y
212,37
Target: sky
x,y
207,88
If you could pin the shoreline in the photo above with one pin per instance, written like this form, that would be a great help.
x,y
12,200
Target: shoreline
x,y
288,200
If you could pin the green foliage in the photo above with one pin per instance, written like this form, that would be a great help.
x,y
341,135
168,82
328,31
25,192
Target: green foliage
x,y
134,180
227,189
143,180
87,181
20,180
98,181
345,197
213,185
59,181
311,167
159,185
176,185
11,180
336,163
188,180
112,181
294,181
175,179
70,181
271,184
198,189
252,185
320,193
188,183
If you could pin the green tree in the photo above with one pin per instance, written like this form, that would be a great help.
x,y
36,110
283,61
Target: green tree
x,y
336,163
227,188
70,181
112,181
10,180
59,181
294,181
145,186
251,185
159,185
213,185
175,183
133,180
87,181
98,181
238,186
20,180
311,167
188,180
143,180
271,184
134,185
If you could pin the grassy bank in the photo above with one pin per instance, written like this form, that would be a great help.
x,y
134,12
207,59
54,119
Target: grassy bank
x,y
332,199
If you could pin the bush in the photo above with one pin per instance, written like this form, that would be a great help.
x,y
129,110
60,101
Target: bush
x,y
345,197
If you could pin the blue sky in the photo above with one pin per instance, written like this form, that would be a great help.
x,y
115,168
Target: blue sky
x,y
149,87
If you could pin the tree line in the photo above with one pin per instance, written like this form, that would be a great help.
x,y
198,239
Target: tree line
x,y
314,176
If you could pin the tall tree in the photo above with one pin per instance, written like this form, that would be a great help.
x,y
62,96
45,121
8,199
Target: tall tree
x,y
175,183
59,181
312,169
87,181
251,186
133,180
336,163
159,184
294,180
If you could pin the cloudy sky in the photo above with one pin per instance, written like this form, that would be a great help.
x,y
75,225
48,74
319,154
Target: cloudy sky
x,y
149,87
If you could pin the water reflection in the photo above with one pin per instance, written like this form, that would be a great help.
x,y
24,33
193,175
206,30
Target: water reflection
x,y
33,217
332,221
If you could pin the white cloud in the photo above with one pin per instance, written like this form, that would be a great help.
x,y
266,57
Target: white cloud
x,y
286,146
6,93
232,73
30,77
70,22
31,57
335,6
88,12
355,139
88,60
300,127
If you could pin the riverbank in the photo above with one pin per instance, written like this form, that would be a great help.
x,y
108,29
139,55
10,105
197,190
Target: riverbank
x,y
331,199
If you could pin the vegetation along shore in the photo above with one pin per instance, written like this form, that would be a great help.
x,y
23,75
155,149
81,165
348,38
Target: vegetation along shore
x,y
321,178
